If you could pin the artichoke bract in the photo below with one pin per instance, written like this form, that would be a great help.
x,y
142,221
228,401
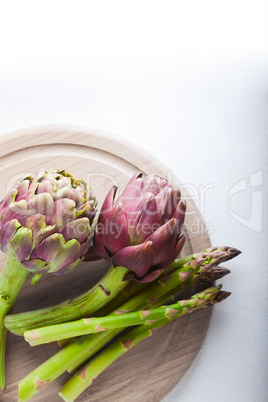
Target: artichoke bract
x,y
141,230
46,225
46,222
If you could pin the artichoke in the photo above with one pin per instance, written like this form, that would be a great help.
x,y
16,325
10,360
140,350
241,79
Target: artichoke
x,y
47,221
141,230
46,225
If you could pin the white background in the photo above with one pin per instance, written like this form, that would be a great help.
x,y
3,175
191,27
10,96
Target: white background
x,y
187,81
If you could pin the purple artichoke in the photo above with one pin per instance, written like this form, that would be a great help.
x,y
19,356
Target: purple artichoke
x,y
141,230
47,222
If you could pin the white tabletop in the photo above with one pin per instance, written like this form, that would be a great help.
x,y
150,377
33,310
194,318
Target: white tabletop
x,y
186,81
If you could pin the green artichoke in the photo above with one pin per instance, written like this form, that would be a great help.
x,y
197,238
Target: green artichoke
x,y
47,222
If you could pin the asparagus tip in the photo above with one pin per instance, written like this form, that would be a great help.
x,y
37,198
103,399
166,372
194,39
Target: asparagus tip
x,y
222,296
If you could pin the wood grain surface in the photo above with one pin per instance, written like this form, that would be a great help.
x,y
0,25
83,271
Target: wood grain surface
x,y
156,365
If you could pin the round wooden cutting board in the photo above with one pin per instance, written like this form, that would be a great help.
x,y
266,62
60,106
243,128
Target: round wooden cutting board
x,y
150,370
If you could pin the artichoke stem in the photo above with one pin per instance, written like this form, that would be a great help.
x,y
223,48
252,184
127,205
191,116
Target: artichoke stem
x,y
73,309
3,335
12,278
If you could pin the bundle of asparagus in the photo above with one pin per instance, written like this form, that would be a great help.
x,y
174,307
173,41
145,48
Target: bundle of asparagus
x,y
84,377
140,234
203,267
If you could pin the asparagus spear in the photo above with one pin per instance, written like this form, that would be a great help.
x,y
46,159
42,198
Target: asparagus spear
x,y
83,379
93,325
103,292
79,350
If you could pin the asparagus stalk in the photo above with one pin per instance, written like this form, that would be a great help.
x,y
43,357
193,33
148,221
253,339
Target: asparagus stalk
x,y
103,292
79,350
12,278
93,325
83,379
